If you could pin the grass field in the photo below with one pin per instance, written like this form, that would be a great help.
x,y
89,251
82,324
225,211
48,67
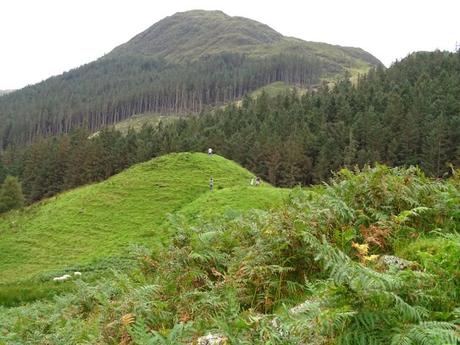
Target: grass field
x,y
230,202
99,221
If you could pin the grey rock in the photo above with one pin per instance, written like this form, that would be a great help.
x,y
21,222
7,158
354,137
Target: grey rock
x,y
394,261
212,339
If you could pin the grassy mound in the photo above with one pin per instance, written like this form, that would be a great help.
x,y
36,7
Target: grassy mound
x,y
100,220
228,202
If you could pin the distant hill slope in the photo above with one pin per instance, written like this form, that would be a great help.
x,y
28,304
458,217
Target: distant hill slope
x,y
4,92
196,34
181,64
101,220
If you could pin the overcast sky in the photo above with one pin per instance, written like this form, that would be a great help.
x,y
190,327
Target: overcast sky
x,y
41,38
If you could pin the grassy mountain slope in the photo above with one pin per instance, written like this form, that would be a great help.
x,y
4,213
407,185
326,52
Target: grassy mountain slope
x,y
98,221
197,34
277,88
136,122
230,202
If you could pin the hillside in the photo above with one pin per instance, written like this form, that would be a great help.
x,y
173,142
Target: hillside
x,y
98,221
276,89
4,92
407,114
369,258
180,65
200,34
197,33
138,121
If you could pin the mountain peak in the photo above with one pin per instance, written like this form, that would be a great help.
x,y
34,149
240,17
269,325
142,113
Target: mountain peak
x,y
196,33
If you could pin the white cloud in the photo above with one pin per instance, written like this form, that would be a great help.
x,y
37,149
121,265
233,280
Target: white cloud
x,y
43,38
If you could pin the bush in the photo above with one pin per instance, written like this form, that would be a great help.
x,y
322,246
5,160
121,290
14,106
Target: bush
x,y
11,196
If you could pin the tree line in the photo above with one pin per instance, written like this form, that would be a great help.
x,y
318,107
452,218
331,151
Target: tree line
x,y
406,115
110,90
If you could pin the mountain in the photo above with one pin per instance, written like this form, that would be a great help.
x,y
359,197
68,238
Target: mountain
x,y
181,64
194,34
99,221
198,33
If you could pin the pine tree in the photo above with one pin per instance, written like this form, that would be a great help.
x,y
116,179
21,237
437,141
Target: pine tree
x,y
11,196
2,171
350,151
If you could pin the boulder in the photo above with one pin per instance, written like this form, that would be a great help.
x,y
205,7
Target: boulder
x,y
399,263
212,339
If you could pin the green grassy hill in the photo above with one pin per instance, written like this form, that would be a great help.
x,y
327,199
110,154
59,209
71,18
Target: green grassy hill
x,y
229,202
94,222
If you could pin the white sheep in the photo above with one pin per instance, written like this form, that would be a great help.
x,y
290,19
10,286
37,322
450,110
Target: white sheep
x,y
77,274
62,278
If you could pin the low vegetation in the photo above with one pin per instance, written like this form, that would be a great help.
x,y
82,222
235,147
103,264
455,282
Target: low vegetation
x,y
125,241
136,122
369,258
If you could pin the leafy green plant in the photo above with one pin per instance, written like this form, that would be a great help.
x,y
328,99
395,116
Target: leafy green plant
x,y
308,271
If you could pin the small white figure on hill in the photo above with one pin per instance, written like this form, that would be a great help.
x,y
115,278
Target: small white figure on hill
x,y
257,181
62,278
252,181
77,274
210,152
